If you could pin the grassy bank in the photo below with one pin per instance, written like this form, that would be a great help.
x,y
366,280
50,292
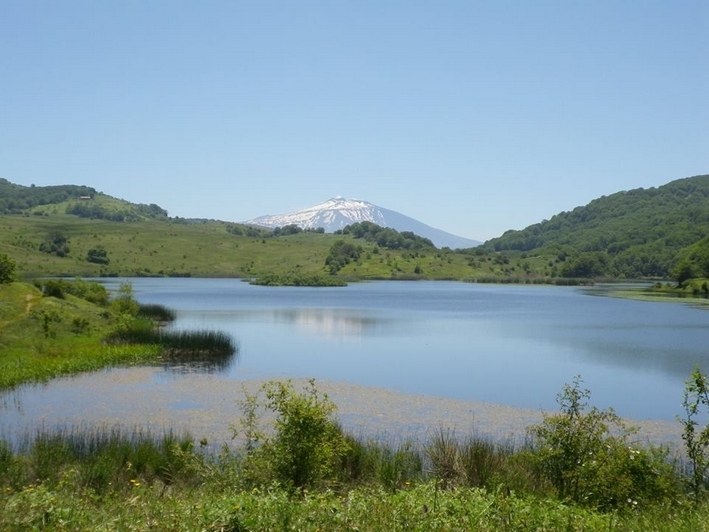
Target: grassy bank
x,y
44,336
57,327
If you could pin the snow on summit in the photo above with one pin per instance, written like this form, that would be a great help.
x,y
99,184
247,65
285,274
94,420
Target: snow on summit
x,y
339,212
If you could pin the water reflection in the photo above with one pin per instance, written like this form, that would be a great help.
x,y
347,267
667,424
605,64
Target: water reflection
x,y
501,344
330,322
324,323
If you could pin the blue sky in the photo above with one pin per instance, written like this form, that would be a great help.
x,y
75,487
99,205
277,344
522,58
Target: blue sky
x,y
473,117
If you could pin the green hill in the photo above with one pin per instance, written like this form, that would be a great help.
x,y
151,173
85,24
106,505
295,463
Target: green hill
x,y
76,231
81,201
639,233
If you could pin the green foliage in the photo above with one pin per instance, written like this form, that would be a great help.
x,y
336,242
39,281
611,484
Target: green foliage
x,y
696,405
307,444
210,350
291,229
55,243
248,230
53,288
297,279
157,313
45,318
586,265
87,290
640,232
341,254
130,213
98,255
124,304
374,463
587,457
387,237
79,325
694,262
16,198
8,268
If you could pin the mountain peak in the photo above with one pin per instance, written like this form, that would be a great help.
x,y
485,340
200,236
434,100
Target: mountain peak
x,y
339,212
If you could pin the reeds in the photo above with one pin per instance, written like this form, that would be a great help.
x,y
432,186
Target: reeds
x,y
157,313
214,348
101,458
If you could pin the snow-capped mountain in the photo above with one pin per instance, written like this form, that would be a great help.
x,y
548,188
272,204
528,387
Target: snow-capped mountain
x,y
337,213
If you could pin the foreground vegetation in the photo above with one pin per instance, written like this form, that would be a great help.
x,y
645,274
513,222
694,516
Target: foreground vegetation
x,y
302,472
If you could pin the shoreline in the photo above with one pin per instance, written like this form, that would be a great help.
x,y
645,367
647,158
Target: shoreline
x,y
207,406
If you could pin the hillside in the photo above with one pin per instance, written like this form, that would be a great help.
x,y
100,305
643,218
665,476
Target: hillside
x,y
636,233
81,201
76,231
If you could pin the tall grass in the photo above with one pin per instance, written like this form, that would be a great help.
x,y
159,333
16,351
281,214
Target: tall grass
x,y
157,313
100,458
213,348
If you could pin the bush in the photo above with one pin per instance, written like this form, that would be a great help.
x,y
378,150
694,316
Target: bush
x,y
7,269
587,457
307,444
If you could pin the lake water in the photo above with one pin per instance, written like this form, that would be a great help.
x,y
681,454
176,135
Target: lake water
x,y
507,344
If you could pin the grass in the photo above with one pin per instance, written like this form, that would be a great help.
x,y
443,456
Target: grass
x,y
171,247
157,313
211,348
123,479
44,337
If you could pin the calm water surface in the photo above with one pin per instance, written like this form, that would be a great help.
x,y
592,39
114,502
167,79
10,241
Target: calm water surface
x,y
514,345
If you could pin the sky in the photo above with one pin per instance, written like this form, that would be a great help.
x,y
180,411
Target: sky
x,y
474,117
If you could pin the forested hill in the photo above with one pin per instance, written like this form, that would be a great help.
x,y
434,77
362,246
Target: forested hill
x,y
79,200
635,233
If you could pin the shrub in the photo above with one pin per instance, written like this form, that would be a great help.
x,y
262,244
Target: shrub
x,y
587,457
307,444
696,402
7,269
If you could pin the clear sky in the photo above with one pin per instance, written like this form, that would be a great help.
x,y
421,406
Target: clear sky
x,y
473,117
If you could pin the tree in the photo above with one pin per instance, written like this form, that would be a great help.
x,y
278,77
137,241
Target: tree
x,y
97,255
341,254
55,243
683,272
7,269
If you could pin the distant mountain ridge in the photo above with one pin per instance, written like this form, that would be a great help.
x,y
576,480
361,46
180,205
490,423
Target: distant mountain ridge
x,y
337,213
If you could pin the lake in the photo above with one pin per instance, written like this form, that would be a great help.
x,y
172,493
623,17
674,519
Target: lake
x,y
514,345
